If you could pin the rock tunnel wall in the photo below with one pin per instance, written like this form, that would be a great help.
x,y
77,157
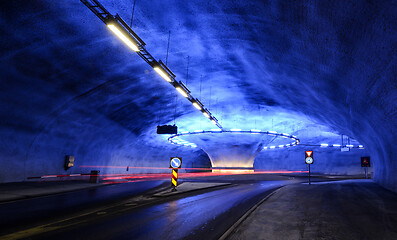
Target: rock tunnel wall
x,y
70,87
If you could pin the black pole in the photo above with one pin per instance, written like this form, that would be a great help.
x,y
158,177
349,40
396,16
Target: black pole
x,y
309,174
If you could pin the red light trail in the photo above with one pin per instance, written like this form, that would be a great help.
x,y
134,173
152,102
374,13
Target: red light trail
x,y
137,177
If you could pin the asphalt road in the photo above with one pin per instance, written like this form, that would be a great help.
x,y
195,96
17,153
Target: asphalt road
x,y
203,216
200,215
36,211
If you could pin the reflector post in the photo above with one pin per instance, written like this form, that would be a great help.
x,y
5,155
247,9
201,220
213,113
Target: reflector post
x,y
174,179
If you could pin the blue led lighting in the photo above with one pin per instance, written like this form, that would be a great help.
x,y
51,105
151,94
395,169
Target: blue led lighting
x,y
174,138
235,130
323,145
216,130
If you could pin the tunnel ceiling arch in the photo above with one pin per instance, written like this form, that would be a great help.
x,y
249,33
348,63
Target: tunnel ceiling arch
x,y
326,63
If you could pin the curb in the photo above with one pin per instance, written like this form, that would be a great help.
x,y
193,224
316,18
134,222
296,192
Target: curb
x,y
168,194
245,216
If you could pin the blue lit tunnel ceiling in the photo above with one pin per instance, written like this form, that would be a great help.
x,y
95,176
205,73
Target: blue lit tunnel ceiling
x,y
124,32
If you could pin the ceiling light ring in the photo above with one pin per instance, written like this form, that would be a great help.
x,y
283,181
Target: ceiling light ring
x,y
234,131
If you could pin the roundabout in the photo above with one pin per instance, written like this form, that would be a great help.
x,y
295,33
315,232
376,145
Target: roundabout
x,y
233,149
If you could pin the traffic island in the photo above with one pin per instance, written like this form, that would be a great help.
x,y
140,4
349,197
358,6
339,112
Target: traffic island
x,y
189,187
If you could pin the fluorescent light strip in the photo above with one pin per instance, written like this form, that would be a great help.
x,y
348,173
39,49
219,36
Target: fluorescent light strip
x,y
162,74
206,115
197,106
349,146
280,146
255,130
324,145
123,38
198,130
360,146
271,131
336,145
182,92
272,147
213,121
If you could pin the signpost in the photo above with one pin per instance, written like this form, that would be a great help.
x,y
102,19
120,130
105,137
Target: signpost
x,y
175,164
309,160
366,163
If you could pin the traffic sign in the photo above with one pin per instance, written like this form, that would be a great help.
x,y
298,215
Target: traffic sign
x,y
309,157
365,162
175,162
309,160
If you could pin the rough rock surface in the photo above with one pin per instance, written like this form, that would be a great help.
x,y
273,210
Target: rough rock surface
x,y
70,87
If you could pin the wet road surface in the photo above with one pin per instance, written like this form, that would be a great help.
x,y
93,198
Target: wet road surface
x,y
32,212
201,216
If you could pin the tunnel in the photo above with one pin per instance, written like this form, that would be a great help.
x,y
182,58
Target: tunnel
x,y
258,83
69,87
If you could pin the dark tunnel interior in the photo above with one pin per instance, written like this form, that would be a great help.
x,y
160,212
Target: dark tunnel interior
x,y
323,71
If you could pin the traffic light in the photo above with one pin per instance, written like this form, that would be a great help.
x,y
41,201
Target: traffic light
x,y
365,162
